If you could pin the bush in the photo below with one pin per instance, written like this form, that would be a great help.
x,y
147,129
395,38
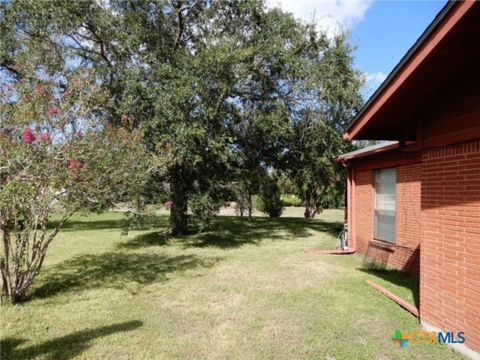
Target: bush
x,y
59,153
269,200
241,205
291,200
203,209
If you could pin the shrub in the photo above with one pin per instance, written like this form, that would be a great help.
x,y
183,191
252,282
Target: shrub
x,y
291,200
203,209
241,205
269,200
58,153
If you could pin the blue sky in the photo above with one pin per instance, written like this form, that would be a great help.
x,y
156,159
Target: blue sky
x,y
382,31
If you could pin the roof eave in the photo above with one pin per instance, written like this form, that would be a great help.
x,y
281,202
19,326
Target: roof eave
x,y
369,152
355,126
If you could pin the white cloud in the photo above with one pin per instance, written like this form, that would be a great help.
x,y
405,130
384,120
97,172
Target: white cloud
x,y
331,16
372,82
375,78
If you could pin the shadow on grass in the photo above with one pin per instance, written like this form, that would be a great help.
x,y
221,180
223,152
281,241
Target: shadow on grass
x,y
62,348
86,223
398,278
114,270
145,240
231,232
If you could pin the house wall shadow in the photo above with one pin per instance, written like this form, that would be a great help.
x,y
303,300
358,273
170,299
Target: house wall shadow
x,y
398,278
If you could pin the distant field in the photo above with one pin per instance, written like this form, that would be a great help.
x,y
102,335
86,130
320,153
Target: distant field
x,y
290,211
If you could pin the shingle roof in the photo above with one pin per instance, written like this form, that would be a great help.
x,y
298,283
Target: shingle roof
x,y
369,150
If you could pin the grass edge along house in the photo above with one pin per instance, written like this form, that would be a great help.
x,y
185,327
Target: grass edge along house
x,y
414,201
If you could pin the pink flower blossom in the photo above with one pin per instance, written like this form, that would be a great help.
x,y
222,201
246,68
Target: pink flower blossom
x,y
45,137
53,111
28,136
74,164
39,90
9,87
124,118
169,204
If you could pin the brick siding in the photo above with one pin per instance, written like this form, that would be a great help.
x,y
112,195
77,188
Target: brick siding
x,y
450,245
404,254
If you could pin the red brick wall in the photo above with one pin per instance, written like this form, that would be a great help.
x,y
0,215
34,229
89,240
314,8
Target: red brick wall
x,y
450,247
404,254
407,255
363,209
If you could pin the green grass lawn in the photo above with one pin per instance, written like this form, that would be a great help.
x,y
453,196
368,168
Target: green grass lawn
x,y
245,290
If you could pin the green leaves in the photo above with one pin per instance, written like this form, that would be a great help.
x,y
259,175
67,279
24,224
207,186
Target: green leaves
x,y
320,181
218,89
269,200
57,159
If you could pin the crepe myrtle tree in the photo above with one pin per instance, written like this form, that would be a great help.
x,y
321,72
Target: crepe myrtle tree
x,y
58,154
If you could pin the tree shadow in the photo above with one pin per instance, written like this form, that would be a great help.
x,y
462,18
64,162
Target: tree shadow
x,y
232,232
154,238
113,270
64,347
398,278
77,224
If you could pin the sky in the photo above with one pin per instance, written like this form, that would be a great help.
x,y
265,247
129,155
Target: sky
x,y
382,31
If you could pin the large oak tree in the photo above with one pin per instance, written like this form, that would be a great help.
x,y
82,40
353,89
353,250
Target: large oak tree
x,y
219,89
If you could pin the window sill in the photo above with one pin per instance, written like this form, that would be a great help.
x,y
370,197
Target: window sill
x,y
383,244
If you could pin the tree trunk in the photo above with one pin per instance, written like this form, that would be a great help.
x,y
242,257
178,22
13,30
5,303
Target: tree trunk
x,y
9,287
310,207
179,209
250,206
19,269
6,281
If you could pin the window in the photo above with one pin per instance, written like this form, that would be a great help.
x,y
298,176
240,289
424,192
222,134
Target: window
x,y
385,204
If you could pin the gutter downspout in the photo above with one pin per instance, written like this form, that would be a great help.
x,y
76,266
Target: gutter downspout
x,y
350,205
352,239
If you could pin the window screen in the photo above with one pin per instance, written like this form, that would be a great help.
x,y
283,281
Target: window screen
x,y
385,201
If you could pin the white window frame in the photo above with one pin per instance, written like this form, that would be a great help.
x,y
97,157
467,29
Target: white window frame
x,y
387,210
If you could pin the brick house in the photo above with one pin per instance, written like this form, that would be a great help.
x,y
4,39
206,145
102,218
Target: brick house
x,y
414,201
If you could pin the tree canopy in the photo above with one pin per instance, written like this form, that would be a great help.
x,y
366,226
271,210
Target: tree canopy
x,y
223,92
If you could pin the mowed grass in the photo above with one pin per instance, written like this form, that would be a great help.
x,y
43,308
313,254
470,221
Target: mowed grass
x,y
244,290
